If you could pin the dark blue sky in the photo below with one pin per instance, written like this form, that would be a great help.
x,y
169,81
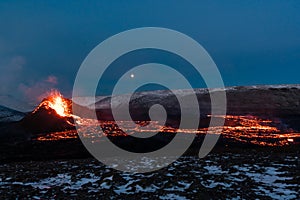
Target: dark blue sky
x,y
43,44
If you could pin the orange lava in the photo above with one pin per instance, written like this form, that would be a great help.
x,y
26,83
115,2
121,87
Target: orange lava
x,y
56,102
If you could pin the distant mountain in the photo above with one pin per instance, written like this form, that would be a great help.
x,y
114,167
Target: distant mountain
x,y
10,115
15,104
264,100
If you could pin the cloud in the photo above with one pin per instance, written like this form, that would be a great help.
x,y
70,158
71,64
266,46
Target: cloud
x,y
16,86
52,79
39,90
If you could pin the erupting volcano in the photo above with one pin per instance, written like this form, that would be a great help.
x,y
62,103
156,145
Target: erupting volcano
x,y
52,114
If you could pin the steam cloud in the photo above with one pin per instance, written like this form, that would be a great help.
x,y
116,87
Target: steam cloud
x,y
16,91
39,90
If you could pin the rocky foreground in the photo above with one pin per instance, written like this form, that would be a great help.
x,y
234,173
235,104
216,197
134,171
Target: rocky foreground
x,y
232,174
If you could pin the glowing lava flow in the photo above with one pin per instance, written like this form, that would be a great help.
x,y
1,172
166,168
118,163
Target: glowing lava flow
x,y
247,129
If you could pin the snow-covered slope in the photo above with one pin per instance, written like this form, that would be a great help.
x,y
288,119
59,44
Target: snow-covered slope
x,y
103,101
278,100
9,115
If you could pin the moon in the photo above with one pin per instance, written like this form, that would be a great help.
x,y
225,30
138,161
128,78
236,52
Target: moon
x,y
131,75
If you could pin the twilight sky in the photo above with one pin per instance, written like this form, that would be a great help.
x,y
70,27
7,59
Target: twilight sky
x,y
42,44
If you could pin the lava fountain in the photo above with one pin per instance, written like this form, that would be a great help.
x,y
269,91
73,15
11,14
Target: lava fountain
x,y
56,102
